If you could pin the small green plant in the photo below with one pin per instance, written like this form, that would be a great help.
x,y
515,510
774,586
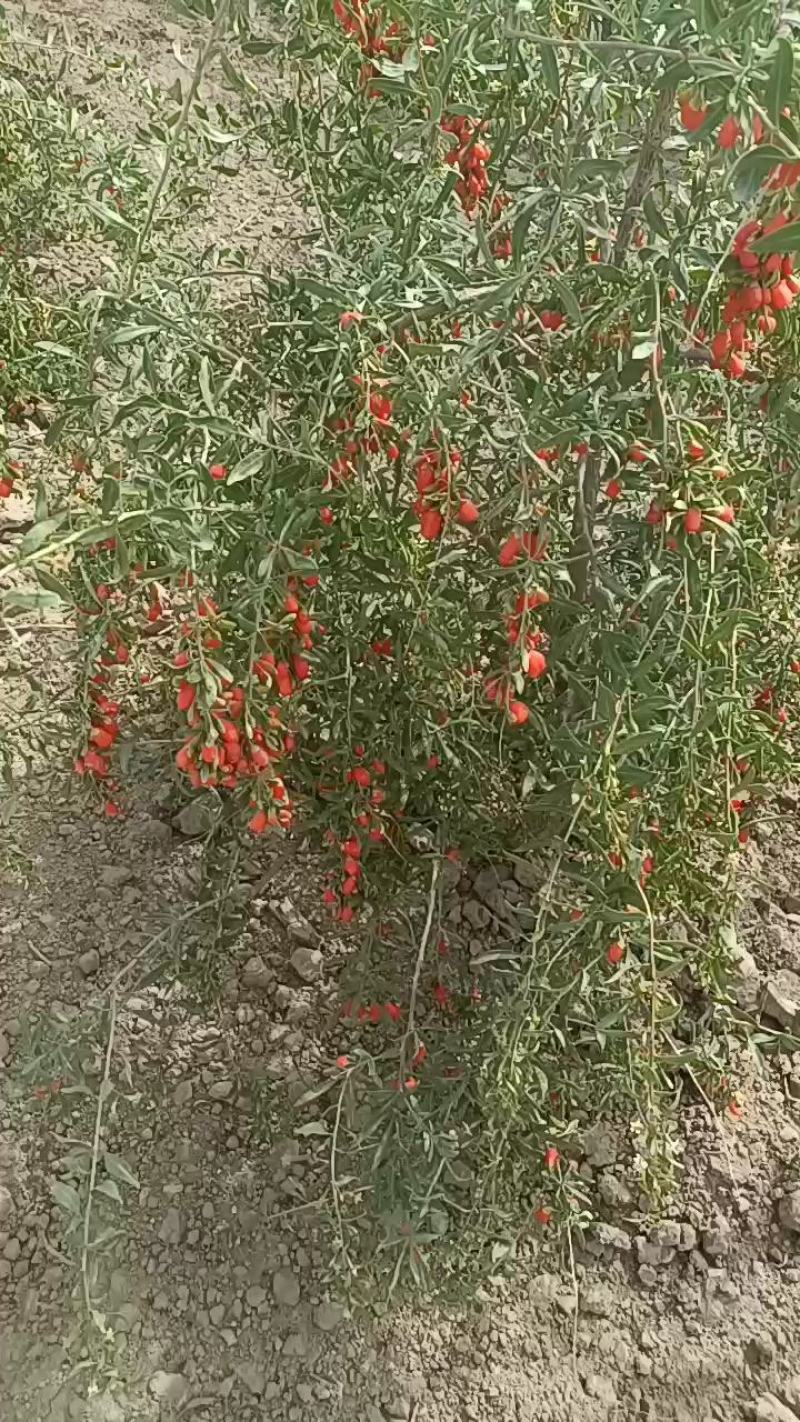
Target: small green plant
x,y
473,539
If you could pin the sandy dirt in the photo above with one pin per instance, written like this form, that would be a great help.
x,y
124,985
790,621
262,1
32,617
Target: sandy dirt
x,y
216,1276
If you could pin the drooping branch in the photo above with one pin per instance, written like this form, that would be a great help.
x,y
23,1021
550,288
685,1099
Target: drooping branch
x,y
587,490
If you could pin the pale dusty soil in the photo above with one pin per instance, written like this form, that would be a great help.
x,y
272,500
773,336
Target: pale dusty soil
x,y
218,1266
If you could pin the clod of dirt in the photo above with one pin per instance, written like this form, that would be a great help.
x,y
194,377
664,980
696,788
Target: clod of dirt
x,y
747,984
171,1230
307,963
169,1387
89,962
599,1146
717,1239
286,1288
256,974
782,998
198,818
252,1378
296,925
769,1408
328,1316
789,1211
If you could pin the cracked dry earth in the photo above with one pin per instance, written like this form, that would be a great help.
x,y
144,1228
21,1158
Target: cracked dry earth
x,y
215,1281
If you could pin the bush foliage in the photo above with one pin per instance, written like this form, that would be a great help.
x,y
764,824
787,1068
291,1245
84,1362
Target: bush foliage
x,y
472,536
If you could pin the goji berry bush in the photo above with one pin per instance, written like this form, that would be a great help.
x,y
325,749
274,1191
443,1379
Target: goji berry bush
x,y
473,540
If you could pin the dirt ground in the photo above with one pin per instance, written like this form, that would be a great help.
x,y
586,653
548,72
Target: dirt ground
x,y
215,1276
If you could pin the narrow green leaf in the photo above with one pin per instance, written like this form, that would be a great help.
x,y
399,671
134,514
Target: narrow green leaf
x,y
550,74
66,1196
784,239
753,168
118,1170
779,83
37,536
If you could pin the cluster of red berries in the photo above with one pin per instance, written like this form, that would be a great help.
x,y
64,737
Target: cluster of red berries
x,y
352,870
103,734
218,751
470,155
366,25
434,472
354,447
770,286
528,642
13,467
528,544
693,116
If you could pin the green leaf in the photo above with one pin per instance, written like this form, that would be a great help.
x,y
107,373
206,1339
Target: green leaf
x,y
520,230
15,600
55,349
753,168
109,1188
205,386
779,83
54,585
39,534
66,1196
550,73
568,300
118,1170
784,239
251,464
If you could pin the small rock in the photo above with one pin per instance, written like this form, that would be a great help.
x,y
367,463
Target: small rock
x,y
601,1388
688,1237
611,1237
217,1314
613,1191
252,1378
221,1090
286,1288
648,1275
255,1295
89,962
168,1387
256,974
171,1229
307,963
652,1254
769,1408
6,1203
747,983
476,913
114,876
782,998
566,1302
199,817
597,1301
328,1316
527,875
5,1046
790,903
487,881
789,1211
183,1092
294,1346
599,1146
667,1234
716,1240
298,926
